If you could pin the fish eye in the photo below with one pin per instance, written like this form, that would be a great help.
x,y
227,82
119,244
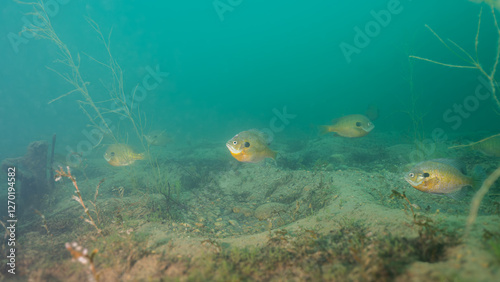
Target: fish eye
x,y
411,174
247,144
369,123
426,174
358,124
112,154
235,142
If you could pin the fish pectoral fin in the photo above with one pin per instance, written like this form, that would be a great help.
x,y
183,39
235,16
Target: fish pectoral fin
x,y
431,182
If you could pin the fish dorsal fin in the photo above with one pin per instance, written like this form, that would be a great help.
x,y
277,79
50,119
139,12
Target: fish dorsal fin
x,y
454,163
266,138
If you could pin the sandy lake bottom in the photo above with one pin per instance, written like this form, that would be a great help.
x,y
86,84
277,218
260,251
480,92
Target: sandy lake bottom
x,y
328,209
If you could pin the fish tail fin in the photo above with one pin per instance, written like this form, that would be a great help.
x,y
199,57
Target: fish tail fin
x,y
324,129
478,176
141,156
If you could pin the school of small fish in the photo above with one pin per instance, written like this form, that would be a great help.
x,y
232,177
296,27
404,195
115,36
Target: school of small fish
x,y
439,176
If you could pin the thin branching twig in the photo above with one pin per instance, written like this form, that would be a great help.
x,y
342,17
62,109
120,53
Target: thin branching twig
x,y
472,63
59,175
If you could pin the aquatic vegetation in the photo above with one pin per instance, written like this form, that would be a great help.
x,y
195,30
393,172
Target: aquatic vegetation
x,y
396,195
495,248
59,175
165,189
46,31
94,110
279,238
349,253
321,214
212,244
94,203
489,146
492,242
133,245
432,240
80,254
472,61
44,222
478,197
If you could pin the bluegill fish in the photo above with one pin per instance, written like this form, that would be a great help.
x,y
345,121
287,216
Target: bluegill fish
x,y
121,155
250,146
443,176
349,126
489,146
157,138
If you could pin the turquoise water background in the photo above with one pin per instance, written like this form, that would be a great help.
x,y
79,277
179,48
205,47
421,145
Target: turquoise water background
x,y
228,69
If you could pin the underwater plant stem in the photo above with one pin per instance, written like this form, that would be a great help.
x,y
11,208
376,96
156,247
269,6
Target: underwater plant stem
x,y
117,93
51,179
474,63
43,221
46,31
443,64
91,108
476,41
472,144
61,173
476,201
492,75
